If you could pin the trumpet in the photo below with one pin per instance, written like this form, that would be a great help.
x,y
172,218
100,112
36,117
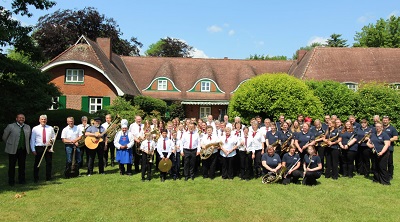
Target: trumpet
x,y
56,129
365,137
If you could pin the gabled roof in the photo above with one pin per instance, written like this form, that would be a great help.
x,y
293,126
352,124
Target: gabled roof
x,y
185,72
349,65
88,52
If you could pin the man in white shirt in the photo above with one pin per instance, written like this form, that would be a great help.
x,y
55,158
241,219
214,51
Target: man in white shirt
x,y
110,144
227,123
210,122
70,136
136,129
164,150
82,128
191,149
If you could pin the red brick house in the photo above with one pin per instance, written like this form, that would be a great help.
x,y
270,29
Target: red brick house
x,y
90,76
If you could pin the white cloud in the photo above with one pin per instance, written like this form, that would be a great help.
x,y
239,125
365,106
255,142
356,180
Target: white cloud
x,y
214,28
318,39
197,53
394,13
365,18
231,32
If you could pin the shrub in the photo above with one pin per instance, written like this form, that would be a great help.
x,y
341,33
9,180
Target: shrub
x,y
148,104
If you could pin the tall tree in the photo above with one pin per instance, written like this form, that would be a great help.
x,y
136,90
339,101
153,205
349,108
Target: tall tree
x,y
12,32
385,33
336,41
57,31
267,57
169,47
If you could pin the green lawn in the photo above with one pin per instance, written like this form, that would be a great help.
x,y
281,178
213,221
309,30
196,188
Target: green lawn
x,y
112,197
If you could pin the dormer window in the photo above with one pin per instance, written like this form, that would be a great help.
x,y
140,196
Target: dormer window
x,y
74,76
352,86
205,86
162,84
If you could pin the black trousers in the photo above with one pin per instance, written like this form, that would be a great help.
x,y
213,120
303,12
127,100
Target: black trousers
x,y
293,177
122,169
163,175
321,154
348,157
227,167
257,164
92,155
146,166
190,162
19,156
332,163
209,166
48,157
365,160
245,164
84,150
111,148
176,164
390,164
381,173
311,178
137,157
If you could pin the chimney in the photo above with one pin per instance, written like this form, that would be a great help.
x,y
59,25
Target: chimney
x,y
300,54
225,57
105,46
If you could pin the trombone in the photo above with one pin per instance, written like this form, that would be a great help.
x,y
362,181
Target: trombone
x,y
47,146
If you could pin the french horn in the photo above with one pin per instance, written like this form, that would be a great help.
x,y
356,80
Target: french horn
x,y
273,177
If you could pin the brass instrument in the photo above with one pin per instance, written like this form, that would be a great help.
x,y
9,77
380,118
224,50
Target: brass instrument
x,y
81,141
208,150
319,137
365,137
324,144
286,146
275,144
113,128
156,134
137,146
273,177
56,129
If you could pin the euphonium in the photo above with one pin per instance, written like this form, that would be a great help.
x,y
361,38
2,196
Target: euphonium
x,y
273,177
113,128
208,150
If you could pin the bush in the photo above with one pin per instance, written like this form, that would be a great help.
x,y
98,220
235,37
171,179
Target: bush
x,y
271,95
123,108
337,99
378,99
176,110
148,104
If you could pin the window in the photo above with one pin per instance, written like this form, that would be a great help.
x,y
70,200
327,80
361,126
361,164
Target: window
x,y
396,86
95,104
54,103
352,86
162,85
205,86
204,112
74,76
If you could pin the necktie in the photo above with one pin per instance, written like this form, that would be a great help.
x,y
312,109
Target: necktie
x,y
254,134
148,146
181,134
190,144
140,128
44,135
245,141
170,134
165,145
209,137
237,133
226,140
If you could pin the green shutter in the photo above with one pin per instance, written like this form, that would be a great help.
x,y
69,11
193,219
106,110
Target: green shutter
x,y
106,101
62,100
85,104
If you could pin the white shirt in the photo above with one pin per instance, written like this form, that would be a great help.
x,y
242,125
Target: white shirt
x,y
220,133
228,144
105,125
36,136
70,133
118,137
264,130
145,146
134,130
212,124
168,147
177,144
257,140
195,141
206,140
246,143
228,124
82,128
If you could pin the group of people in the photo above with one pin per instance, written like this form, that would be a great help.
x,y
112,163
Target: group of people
x,y
292,150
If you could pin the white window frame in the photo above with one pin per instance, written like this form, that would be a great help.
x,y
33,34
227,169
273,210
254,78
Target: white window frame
x,y
205,86
352,86
74,76
95,104
396,86
54,101
204,111
162,84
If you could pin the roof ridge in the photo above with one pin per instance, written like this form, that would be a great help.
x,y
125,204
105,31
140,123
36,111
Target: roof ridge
x,y
309,61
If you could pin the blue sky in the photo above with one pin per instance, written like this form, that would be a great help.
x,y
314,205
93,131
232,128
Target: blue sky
x,y
234,29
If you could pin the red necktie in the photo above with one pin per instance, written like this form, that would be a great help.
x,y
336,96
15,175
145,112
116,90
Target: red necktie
x,y
245,141
140,128
165,145
226,140
148,146
44,135
209,137
170,133
237,133
190,144
181,134
254,134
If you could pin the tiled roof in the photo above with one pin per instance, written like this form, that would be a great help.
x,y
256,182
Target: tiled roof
x,y
349,65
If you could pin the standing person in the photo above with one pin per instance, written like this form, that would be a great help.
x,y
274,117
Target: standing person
x,y
319,133
245,154
164,149
92,131
349,146
228,151
273,138
394,135
176,156
257,147
137,130
327,118
148,147
311,167
364,151
304,139
82,128
70,136
209,165
286,136
332,151
16,136
124,141
191,149
110,145
42,135
291,161
210,122
280,122
353,122
380,141
226,121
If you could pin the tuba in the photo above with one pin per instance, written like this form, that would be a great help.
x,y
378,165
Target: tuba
x,y
208,150
113,128
273,177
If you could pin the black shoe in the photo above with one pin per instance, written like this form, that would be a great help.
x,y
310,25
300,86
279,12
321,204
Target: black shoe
x,y
129,174
186,178
192,178
148,179
174,177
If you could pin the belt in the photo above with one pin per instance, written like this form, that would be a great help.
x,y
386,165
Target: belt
x,y
187,149
40,146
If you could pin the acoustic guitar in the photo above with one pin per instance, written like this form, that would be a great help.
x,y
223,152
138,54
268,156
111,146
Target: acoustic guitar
x,y
92,142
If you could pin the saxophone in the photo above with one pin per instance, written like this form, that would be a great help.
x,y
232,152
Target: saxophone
x,y
286,146
324,144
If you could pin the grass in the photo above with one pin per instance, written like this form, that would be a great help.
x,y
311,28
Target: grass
x,y
112,197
